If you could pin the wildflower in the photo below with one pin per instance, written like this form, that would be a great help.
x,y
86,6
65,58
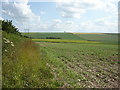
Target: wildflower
x,y
12,45
6,40
5,50
79,80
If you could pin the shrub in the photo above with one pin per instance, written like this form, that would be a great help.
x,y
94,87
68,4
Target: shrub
x,y
8,27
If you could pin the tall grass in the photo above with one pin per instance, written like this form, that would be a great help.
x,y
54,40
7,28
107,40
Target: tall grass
x,y
23,65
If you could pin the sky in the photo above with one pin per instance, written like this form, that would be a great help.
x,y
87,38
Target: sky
x,y
94,16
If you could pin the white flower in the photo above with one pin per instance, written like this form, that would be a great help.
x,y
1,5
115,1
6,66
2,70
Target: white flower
x,y
6,40
79,80
5,50
12,45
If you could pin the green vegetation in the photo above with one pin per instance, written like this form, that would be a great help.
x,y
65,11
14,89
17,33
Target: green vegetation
x,y
68,36
82,65
103,37
106,38
63,41
8,27
58,60
23,63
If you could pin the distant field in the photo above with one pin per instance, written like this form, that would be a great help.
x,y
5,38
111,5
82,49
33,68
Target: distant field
x,y
101,37
68,36
86,33
108,38
63,41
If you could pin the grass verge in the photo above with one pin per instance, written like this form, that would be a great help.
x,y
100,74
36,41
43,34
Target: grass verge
x,y
23,64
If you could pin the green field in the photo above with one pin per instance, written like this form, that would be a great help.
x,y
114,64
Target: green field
x,y
95,37
90,61
67,60
102,37
68,36
82,65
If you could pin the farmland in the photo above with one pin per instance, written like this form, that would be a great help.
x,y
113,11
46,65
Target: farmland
x,y
107,38
68,36
82,65
90,61
60,60
102,37
60,44
63,41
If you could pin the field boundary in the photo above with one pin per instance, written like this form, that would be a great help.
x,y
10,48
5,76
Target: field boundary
x,y
64,41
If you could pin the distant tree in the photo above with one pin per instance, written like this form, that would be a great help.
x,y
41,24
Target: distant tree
x,y
8,27
52,38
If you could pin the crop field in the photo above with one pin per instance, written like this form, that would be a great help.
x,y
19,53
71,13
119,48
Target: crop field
x,y
60,44
63,41
108,38
82,65
68,36
102,37
60,60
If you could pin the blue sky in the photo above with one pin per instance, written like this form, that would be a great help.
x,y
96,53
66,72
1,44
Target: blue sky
x,y
47,7
70,16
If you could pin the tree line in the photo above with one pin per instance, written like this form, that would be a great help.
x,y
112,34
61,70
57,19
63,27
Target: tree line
x,y
7,26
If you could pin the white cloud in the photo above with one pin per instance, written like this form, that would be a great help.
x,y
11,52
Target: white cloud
x,y
74,9
21,1
1,18
70,22
25,18
42,12
56,25
100,25
20,12
57,21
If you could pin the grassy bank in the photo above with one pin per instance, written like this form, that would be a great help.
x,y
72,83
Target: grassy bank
x,y
23,63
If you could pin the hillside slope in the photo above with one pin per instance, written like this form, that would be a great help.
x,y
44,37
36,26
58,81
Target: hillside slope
x,y
107,38
102,37
68,36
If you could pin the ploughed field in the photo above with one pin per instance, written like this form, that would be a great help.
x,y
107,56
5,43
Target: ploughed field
x,y
80,59
82,65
